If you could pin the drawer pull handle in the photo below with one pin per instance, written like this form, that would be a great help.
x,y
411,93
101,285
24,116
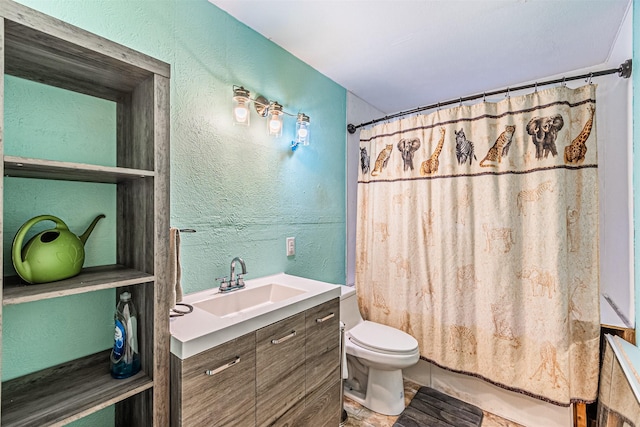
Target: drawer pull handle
x,y
223,367
325,318
283,339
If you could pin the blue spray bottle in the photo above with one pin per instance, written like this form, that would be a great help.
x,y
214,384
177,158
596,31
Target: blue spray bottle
x,y
125,359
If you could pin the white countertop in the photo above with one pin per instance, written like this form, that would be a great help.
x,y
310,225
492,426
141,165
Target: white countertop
x,y
199,331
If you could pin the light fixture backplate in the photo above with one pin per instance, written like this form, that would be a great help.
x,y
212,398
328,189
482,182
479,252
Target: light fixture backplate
x,y
262,106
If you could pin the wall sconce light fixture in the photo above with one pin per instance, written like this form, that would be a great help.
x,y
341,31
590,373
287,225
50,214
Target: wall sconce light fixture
x,y
302,131
272,109
241,101
275,119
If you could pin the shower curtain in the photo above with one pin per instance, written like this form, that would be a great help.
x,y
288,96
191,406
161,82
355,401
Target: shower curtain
x,y
477,233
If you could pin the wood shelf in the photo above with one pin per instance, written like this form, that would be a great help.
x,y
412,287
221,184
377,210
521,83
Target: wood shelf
x,y
26,167
66,392
42,49
90,279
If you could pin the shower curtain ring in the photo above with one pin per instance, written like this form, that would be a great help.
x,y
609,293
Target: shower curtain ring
x,y
438,106
484,97
589,79
508,95
461,101
536,90
564,81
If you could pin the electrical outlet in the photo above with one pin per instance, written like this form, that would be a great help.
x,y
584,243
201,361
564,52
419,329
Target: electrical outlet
x,y
291,246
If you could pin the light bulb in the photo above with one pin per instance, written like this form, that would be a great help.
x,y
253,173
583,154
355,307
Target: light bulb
x,y
274,125
302,129
241,106
275,120
241,113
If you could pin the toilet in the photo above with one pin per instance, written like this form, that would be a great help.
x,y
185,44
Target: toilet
x,y
375,357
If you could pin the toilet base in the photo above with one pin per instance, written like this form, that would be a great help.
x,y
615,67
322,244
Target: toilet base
x,y
384,394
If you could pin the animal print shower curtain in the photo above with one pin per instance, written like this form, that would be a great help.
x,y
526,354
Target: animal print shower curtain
x,y
477,233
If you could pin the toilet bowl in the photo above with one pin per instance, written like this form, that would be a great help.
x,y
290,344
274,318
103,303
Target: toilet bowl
x,y
375,357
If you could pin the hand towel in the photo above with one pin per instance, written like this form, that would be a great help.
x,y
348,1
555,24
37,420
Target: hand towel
x,y
175,270
343,351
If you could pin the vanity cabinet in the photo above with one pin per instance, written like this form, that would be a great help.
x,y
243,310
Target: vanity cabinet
x,y
322,402
222,378
294,380
43,49
280,368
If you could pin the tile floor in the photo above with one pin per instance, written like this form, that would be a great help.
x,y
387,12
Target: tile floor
x,y
360,416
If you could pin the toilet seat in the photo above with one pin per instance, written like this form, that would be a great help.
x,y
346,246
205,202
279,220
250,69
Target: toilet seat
x,y
382,339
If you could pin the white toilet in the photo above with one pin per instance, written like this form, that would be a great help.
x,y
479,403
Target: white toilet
x,y
375,357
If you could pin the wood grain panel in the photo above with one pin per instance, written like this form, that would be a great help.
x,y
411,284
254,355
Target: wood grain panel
x,y
280,369
80,42
162,335
323,346
66,392
224,399
24,167
323,408
46,50
90,279
293,417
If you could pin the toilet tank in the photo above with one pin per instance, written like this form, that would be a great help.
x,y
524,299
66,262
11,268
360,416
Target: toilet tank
x,y
349,311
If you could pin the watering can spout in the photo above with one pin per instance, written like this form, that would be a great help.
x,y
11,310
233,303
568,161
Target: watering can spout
x,y
84,236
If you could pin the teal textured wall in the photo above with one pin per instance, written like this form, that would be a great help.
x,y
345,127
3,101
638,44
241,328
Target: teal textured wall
x,y
243,191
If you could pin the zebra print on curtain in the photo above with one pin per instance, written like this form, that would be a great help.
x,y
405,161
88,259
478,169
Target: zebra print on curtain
x,y
477,234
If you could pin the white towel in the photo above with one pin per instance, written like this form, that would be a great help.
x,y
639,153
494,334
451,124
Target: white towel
x,y
175,270
343,349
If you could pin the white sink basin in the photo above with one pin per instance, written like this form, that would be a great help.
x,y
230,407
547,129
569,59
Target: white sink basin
x,y
243,300
218,318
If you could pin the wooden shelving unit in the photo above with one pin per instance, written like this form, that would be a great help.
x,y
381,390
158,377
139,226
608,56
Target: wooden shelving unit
x,y
40,48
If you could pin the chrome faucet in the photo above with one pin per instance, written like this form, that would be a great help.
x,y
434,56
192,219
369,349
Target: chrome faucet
x,y
234,282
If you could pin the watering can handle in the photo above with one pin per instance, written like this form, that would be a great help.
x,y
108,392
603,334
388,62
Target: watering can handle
x,y
17,241
22,267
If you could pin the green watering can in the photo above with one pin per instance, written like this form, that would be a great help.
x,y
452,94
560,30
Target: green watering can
x,y
51,255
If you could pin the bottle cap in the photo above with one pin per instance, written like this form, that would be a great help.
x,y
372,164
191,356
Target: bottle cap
x,y
125,296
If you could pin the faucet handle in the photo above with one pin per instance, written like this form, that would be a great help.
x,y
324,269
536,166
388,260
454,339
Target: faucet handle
x,y
223,282
240,281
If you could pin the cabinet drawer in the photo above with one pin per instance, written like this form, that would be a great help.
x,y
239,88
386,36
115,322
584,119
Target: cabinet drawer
x,y
217,386
280,368
323,345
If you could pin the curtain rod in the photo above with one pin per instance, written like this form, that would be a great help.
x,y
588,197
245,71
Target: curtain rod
x,y
624,70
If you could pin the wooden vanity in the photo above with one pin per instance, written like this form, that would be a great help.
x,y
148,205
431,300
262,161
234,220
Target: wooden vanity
x,y
283,373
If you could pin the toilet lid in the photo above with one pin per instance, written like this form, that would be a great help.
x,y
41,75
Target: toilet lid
x,y
378,337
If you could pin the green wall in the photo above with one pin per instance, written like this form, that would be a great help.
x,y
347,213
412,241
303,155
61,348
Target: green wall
x,y
243,191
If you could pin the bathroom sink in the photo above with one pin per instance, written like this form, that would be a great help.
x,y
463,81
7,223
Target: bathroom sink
x,y
220,317
241,301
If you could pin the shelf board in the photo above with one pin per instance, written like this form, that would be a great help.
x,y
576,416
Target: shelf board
x,y
26,167
67,392
43,49
90,279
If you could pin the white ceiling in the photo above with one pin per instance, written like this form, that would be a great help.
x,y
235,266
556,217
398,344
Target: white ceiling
x,y
400,54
